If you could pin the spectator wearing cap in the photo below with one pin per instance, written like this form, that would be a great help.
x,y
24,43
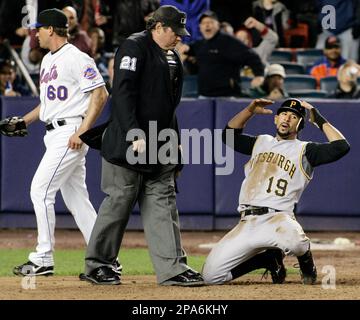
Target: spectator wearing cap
x,y
77,37
329,64
6,80
273,85
346,26
219,58
347,87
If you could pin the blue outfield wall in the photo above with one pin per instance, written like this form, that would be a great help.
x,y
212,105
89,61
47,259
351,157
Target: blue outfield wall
x,y
206,201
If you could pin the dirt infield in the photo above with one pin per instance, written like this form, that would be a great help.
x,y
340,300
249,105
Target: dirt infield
x,y
346,263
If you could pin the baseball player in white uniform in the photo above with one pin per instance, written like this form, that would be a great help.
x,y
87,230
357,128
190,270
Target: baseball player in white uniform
x,y
277,173
72,95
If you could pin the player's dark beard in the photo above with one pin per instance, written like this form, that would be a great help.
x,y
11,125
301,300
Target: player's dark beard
x,y
283,135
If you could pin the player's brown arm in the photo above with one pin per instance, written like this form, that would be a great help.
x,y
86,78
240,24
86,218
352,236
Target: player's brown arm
x,y
97,103
32,116
237,140
256,106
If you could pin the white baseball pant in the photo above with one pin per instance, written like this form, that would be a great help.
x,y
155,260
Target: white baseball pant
x,y
60,168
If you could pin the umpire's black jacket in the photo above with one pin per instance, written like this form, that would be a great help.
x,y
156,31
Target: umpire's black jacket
x,y
142,92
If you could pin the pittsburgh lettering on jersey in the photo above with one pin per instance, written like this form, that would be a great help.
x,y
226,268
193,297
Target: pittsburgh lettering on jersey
x,y
276,158
49,76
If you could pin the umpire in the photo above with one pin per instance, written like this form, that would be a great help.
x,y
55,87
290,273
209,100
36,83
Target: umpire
x,y
147,88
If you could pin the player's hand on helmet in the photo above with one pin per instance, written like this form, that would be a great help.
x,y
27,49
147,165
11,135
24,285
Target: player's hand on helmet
x,y
258,106
139,146
307,105
315,117
75,142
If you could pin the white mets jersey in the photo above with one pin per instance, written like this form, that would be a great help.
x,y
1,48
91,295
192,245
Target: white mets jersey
x,y
276,175
66,79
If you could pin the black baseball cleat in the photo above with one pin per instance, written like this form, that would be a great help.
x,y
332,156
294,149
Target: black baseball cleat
x,y
307,266
31,269
117,268
189,278
309,278
277,269
103,276
275,265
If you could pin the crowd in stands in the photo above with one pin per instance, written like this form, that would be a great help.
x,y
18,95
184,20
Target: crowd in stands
x,y
248,48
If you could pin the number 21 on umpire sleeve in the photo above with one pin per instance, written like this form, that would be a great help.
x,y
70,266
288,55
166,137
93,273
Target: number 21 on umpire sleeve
x,y
280,186
128,63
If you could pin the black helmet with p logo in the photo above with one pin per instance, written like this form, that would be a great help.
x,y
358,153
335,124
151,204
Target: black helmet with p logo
x,y
294,105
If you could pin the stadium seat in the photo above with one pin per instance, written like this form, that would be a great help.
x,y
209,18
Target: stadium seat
x,y
190,86
299,82
328,84
278,56
307,93
308,57
293,68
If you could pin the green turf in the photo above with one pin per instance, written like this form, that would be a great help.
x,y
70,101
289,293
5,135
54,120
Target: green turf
x,y
71,262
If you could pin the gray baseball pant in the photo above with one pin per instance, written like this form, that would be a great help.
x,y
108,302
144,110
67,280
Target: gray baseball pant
x,y
156,196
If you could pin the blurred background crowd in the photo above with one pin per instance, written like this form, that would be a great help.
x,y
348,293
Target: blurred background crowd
x,y
247,48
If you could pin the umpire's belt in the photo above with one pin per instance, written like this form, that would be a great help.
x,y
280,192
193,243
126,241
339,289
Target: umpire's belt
x,y
257,211
61,122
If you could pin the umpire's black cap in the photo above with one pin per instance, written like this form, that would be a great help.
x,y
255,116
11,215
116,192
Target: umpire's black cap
x,y
172,17
52,17
294,105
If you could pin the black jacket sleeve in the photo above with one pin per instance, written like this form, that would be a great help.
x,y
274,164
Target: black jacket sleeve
x,y
322,153
242,143
128,64
243,55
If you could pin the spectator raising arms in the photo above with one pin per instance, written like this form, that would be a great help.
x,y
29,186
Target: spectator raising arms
x,y
220,57
269,38
274,15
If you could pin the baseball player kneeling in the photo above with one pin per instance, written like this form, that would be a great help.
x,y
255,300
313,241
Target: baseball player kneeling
x,y
277,173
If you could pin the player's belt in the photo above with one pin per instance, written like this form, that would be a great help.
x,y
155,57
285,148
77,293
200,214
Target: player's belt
x,y
257,211
61,122
50,125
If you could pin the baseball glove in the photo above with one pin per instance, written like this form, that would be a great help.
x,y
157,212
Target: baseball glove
x,y
13,127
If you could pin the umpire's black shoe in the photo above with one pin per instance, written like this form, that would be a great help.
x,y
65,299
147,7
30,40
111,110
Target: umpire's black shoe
x,y
31,269
103,275
117,268
308,271
189,278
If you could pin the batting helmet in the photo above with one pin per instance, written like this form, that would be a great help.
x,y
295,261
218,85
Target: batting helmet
x,y
294,105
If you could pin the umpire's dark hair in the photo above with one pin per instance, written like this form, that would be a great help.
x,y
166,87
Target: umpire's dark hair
x,y
151,23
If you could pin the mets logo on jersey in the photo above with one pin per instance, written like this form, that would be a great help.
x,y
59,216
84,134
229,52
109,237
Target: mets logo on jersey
x,y
90,73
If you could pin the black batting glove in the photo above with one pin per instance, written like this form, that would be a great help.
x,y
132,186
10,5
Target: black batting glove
x,y
316,118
